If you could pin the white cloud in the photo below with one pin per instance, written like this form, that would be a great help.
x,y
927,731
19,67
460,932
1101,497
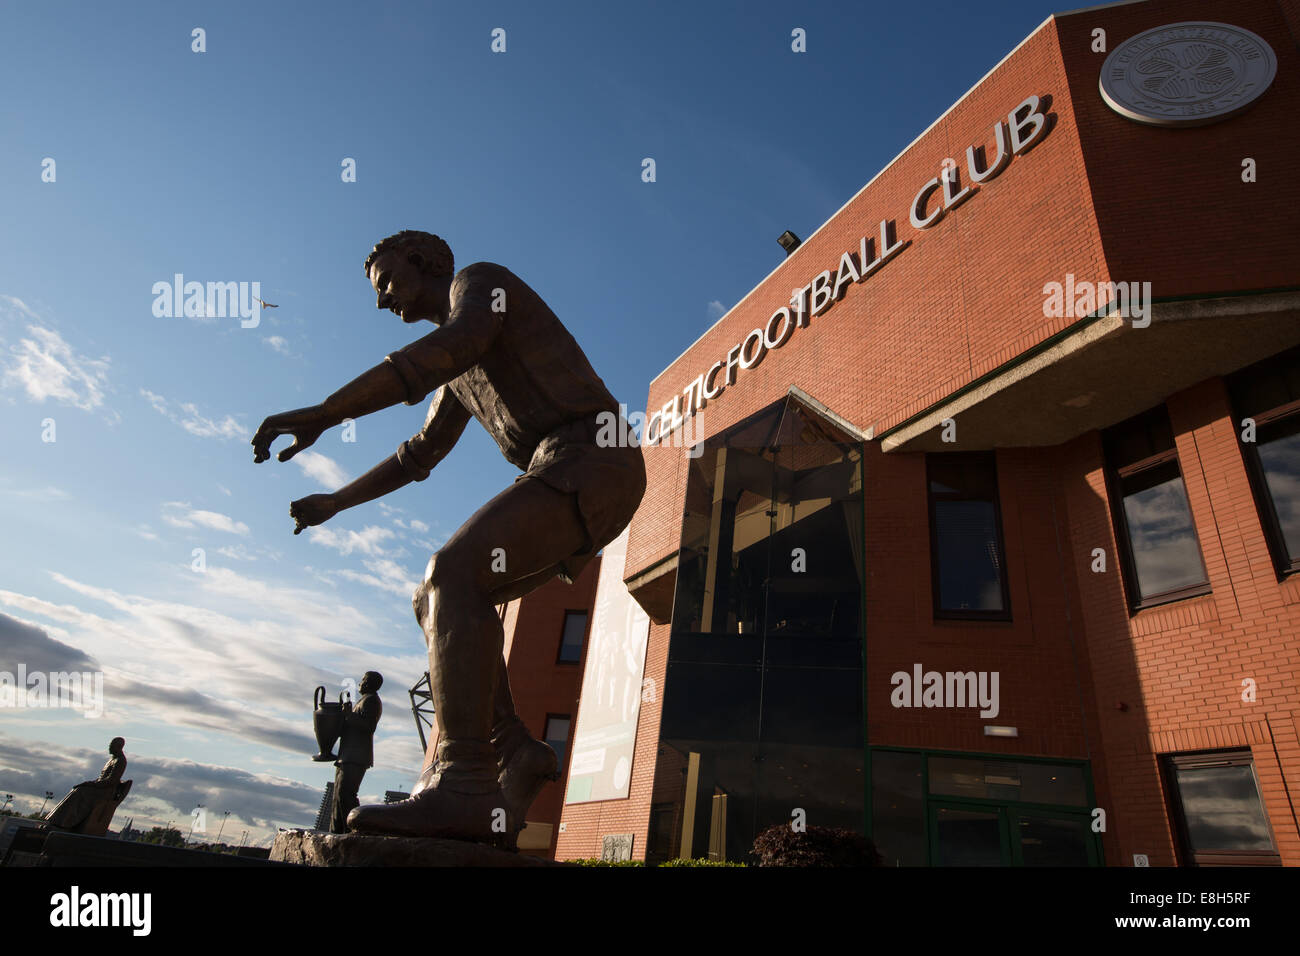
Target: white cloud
x,y
187,415
46,367
47,493
386,575
18,304
323,469
179,514
277,342
417,525
367,541
716,309
237,553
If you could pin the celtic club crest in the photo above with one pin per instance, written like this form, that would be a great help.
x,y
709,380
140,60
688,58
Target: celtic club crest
x,y
1187,74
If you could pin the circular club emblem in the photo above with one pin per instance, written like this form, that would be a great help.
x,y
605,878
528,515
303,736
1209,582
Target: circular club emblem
x,y
1187,74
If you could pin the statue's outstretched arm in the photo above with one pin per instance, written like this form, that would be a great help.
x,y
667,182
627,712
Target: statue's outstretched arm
x,y
413,461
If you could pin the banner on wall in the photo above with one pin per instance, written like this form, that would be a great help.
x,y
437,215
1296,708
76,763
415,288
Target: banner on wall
x,y
605,737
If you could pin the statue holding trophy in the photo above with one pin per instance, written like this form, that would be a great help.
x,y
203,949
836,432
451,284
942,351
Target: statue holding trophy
x,y
352,727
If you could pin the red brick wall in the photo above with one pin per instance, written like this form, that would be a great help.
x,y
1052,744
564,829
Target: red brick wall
x,y
1171,204
1179,668
1040,681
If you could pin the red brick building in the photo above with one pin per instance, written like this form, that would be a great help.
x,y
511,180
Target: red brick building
x,y
972,526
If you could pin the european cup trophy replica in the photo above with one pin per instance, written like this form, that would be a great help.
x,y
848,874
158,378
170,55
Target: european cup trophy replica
x,y
327,721
89,807
498,355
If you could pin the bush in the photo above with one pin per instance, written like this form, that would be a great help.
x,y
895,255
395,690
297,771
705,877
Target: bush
x,y
595,861
779,845
700,863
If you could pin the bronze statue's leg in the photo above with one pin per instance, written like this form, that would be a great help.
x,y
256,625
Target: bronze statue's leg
x,y
524,531
508,731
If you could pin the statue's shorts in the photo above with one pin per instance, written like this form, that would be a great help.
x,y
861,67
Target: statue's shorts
x,y
606,480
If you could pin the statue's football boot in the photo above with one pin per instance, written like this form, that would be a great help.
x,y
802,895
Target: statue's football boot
x,y
463,801
524,764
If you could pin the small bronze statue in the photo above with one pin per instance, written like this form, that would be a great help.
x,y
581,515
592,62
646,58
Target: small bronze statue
x,y
89,807
501,356
356,749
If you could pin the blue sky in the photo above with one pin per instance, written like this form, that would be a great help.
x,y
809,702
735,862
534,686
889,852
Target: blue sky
x,y
225,166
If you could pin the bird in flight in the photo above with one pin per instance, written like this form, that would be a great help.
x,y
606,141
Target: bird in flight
x,y
265,305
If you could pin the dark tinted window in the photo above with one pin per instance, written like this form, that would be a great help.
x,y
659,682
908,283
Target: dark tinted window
x,y
575,633
1220,814
968,570
557,735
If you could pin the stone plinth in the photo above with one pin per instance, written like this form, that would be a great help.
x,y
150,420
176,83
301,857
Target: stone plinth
x,y
313,848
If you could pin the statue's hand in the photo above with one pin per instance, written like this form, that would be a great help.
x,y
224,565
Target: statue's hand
x,y
304,424
312,510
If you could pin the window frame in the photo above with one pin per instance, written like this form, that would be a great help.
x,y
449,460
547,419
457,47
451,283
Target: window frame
x,y
586,631
1284,565
950,614
1115,477
1187,855
568,738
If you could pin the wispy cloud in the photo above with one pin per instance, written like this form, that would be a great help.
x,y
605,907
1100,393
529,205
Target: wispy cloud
x,y
324,470
44,366
236,552
368,540
188,416
179,514
47,493
385,574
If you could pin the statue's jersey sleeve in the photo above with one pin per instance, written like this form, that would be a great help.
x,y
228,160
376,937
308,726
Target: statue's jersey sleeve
x,y
473,324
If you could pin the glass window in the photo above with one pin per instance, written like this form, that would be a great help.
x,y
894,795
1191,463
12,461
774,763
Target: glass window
x,y
1221,817
992,779
1268,393
898,807
762,702
1159,550
966,554
1052,841
575,634
557,735
968,837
